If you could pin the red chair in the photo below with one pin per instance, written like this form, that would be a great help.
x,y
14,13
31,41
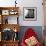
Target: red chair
x,y
29,33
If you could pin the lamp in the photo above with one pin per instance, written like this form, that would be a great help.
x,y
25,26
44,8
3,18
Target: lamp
x,y
15,30
15,3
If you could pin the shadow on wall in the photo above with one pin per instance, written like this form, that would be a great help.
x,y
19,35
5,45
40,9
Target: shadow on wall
x,y
37,29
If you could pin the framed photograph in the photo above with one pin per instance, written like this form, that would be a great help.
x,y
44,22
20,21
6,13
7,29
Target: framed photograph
x,y
5,12
30,13
13,12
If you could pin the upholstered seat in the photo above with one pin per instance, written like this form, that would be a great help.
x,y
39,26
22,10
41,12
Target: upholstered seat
x,y
29,36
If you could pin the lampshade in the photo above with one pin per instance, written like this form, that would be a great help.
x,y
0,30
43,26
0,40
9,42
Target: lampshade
x,y
15,30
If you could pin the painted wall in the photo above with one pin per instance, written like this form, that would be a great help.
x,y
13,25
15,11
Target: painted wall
x,y
27,3
38,5
37,29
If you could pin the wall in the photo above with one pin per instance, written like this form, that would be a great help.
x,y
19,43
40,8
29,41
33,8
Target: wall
x,y
38,5
36,29
27,3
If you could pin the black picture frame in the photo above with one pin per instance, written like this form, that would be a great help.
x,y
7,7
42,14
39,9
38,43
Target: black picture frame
x,y
30,13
